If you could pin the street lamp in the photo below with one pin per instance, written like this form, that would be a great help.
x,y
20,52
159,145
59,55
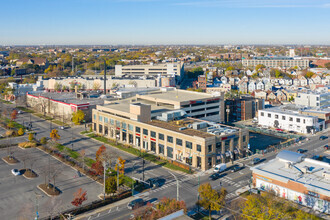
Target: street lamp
x,y
177,186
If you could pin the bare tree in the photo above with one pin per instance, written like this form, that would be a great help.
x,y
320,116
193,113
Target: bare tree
x,y
82,154
54,172
44,171
53,206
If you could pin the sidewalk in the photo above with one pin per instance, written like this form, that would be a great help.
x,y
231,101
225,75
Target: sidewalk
x,y
104,208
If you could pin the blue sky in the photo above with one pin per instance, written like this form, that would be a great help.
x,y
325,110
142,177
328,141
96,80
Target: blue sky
x,y
165,22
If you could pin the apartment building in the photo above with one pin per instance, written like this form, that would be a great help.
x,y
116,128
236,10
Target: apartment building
x,y
172,135
241,109
275,62
289,120
168,69
293,177
316,100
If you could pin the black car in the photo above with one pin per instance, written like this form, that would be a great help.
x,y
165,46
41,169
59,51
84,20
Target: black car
x,y
236,168
214,176
135,204
301,151
153,182
323,137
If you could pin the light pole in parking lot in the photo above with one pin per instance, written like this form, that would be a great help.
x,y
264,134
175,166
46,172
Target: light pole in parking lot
x,y
177,186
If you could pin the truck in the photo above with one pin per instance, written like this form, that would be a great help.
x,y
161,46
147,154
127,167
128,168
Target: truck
x,y
220,168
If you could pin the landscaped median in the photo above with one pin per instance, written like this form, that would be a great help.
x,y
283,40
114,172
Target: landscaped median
x,y
137,152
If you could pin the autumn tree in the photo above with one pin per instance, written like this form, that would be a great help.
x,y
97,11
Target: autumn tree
x,y
43,140
79,197
31,137
98,167
54,135
99,153
20,131
78,117
121,165
309,74
13,115
327,65
211,199
110,185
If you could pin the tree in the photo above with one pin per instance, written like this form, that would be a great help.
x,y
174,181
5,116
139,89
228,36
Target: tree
x,y
31,137
121,165
110,185
13,115
10,125
43,140
79,197
260,66
309,74
57,86
327,65
96,86
78,117
291,99
54,135
20,131
99,153
54,172
98,167
211,199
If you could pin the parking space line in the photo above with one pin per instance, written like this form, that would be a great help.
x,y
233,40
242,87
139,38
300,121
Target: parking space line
x,y
109,211
89,217
98,215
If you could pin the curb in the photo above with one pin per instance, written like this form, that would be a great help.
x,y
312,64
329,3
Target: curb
x,y
10,163
45,192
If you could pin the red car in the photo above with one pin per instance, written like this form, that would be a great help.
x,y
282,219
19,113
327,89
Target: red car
x,y
326,147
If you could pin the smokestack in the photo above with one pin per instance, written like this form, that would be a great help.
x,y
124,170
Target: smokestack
x,y
105,78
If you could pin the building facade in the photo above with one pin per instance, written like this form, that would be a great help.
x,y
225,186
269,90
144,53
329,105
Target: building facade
x,y
170,135
316,100
275,62
293,177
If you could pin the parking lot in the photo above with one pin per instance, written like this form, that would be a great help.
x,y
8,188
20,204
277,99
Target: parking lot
x,y
20,197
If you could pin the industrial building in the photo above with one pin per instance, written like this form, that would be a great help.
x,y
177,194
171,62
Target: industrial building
x,y
276,62
293,177
147,124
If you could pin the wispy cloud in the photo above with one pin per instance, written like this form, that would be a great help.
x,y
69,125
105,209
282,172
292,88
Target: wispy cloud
x,y
257,3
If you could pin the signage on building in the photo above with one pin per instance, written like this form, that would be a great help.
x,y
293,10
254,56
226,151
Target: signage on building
x,y
310,193
264,178
137,134
153,139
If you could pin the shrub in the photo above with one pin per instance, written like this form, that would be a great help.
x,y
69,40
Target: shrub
x,y
20,131
31,137
43,140
27,144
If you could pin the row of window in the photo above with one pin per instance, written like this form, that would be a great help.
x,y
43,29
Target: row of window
x,y
298,120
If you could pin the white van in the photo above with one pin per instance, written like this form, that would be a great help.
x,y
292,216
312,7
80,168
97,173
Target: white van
x,y
220,168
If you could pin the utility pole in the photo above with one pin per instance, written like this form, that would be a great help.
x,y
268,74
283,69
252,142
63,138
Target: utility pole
x,y
105,78
177,186
104,168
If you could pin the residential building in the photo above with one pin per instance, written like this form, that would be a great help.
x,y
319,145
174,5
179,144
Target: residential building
x,y
202,81
289,120
243,108
294,177
42,62
276,62
318,100
170,134
251,86
168,69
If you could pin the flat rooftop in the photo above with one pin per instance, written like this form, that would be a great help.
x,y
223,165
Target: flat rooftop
x,y
178,95
71,98
287,112
313,180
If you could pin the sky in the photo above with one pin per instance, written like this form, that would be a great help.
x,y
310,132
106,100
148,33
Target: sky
x,y
150,22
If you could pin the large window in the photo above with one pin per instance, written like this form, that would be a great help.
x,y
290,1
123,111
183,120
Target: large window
x,y
209,148
137,129
118,124
100,118
161,148
94,116
199,147
276,116
170,139
170,152
283,118
106,120
262,114
130,127
290,119
145,131
298,120
161,136
179,142
269,115
123,125
153,134
112,121
188,145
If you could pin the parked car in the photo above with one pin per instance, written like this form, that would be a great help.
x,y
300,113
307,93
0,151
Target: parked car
x,y
153,182
220,168
62,127
326,147
323,137
16,172
255,161
236,168
137,203
214,176
301,151
19,112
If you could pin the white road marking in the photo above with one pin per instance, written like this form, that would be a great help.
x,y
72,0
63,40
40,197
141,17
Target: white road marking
x,y
117,208
98,215
241,173
229,177
89,217
109,210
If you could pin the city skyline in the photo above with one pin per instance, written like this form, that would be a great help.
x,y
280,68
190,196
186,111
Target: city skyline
x,y
171,22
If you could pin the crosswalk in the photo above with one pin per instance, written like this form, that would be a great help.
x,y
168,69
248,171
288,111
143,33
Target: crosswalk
x,y
230,182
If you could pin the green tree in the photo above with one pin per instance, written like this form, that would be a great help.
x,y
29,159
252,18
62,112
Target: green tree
x,y
260,66
309,74
230,68
210,199
110,185
43,140
327,65
291,99
57,86
78,117
10,125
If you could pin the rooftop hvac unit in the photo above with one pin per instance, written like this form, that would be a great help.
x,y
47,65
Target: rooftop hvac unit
x,y
287,165
183,128
199,125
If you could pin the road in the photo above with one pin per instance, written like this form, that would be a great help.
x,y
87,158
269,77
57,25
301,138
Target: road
x,y
188,183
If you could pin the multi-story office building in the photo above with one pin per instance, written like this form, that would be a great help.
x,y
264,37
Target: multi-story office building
x,y
289,120
274,62
316,100
168,69
170,134
293,177
241,109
